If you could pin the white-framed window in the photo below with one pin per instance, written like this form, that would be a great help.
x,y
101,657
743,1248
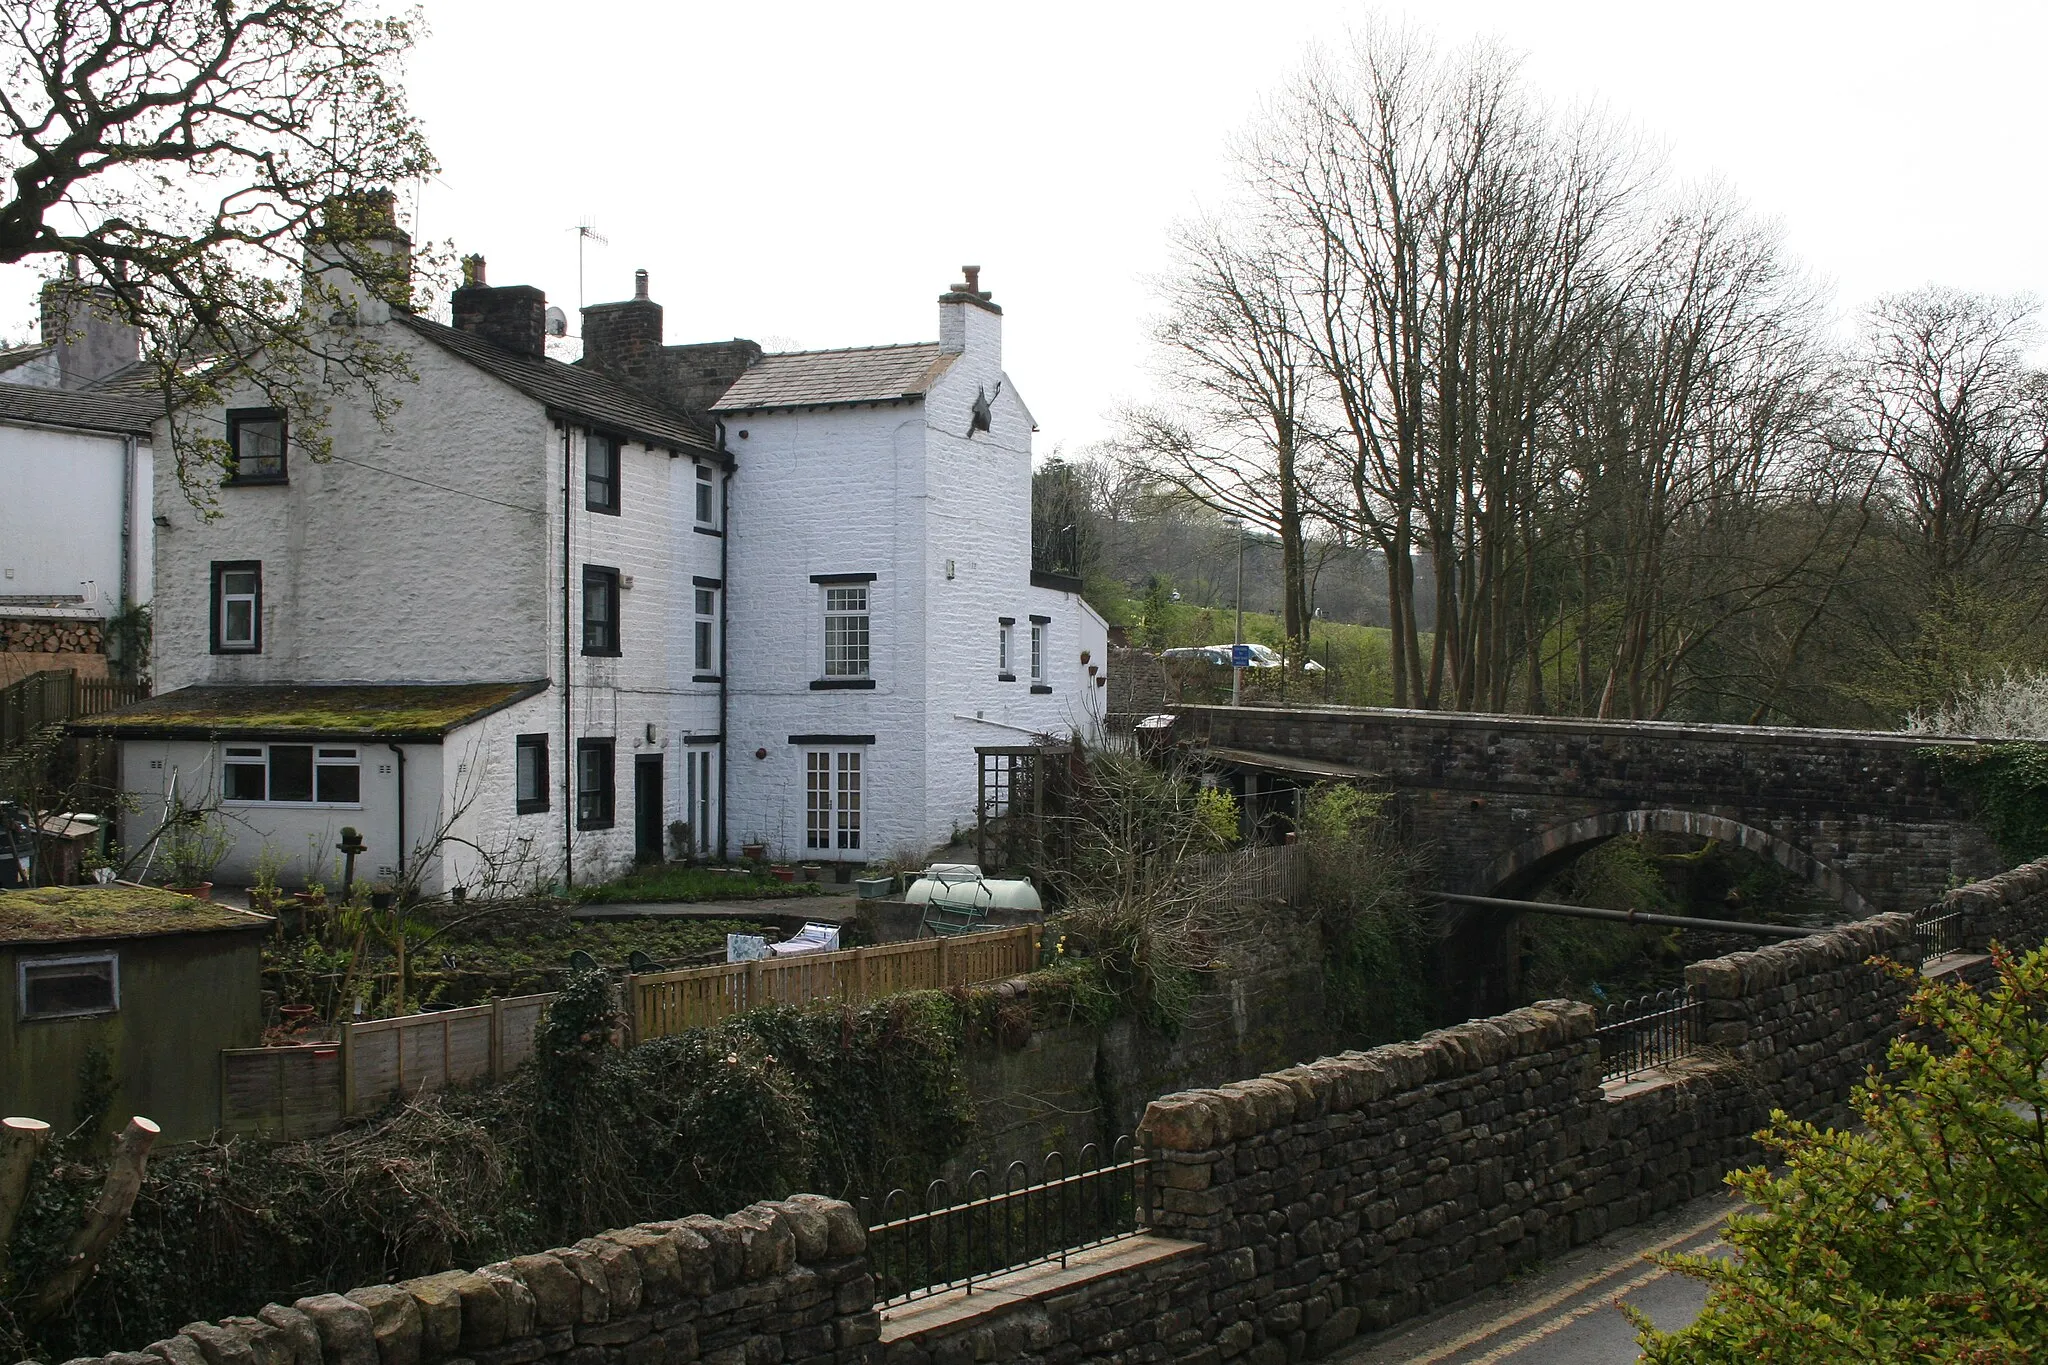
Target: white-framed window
x,y
295,774
705,640
237,607
66,987
707,497
1005,631
1038,653
846,630
832,806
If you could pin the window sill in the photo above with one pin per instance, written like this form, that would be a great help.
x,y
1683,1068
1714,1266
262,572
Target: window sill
x,y
1040,689
256,482
601,511
294,805
601,654
593,824
708,531
1006,677
706,677
842,684
105,1013
531,808
236,649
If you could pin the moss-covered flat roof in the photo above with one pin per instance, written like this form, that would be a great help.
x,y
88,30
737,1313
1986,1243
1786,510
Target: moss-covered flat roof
x,y
417,712
64,914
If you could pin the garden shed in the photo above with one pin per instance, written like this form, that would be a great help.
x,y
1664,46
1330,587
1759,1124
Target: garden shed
x,y
135,985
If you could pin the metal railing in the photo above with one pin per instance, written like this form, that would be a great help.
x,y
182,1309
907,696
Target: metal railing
x,y
1940,935
1005,1222
1637,1035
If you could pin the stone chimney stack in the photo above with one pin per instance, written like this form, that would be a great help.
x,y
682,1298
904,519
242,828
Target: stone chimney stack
x,y
968,316
623,340
514,316
83,324
362,255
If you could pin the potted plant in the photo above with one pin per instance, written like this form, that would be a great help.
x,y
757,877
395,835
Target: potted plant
x,y
782,873
194,844
754,853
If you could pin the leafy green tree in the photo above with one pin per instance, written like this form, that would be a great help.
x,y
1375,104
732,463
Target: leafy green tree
x,y
1922,1236
184,155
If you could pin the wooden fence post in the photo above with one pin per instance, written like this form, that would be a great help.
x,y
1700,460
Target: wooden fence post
x,y
945,962
860,976
753,978
348,1066
632,1011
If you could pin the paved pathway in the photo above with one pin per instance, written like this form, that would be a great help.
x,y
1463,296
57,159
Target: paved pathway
x,y
1564,1313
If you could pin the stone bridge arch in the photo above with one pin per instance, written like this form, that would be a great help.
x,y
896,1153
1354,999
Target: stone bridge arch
x,y
1521,868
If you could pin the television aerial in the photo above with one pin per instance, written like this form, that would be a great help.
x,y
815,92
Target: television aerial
x,y
586,231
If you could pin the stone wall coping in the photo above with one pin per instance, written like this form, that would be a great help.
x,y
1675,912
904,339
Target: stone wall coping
x,y
956,1309
1680,1071
1581,725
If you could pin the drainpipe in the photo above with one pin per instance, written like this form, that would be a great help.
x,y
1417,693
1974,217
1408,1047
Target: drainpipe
x,y
724,610
127,524
401,808
568,741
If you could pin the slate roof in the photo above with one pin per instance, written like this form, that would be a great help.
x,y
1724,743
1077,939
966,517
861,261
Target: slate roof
x,y
86,409
420,713
567,388
861,374
14,356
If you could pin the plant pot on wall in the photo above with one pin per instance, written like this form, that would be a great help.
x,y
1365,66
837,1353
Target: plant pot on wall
x,y
201,891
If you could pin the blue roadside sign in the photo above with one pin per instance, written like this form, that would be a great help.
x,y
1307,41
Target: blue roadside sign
x,y
1240,656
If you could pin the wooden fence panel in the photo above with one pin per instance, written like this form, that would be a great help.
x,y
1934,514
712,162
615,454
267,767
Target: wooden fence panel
x,y
280,1091
513,1033
664,1003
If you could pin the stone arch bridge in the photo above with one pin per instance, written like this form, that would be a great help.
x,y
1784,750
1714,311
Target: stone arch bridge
x,y
1865,818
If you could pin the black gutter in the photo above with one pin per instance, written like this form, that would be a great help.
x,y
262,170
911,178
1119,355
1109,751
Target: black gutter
x,y
1719,926
568,740
724,614
401,808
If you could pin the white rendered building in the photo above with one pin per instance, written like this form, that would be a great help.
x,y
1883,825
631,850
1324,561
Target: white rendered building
x,y
553,619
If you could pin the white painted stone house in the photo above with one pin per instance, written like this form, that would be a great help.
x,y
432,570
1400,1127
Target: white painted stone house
x,y
885,619
555,618
74,488
462,624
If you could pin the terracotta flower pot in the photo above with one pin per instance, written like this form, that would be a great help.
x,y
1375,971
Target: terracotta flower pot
x,y
199,891
783,874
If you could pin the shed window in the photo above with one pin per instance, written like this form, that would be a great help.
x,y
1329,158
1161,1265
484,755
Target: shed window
x,y
62,987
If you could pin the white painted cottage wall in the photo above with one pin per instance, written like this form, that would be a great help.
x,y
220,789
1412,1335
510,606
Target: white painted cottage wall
x,y
369,573
60,517
830,491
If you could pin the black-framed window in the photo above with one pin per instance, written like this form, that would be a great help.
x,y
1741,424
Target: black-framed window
x,y
530,774
256,445
596,788
237,618
705,640
316,774
601,473
600,610
707,504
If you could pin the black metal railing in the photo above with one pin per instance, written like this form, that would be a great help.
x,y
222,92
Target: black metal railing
x,y
1003,1223
1940,935
1649,1031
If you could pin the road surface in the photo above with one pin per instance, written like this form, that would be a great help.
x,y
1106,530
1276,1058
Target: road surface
x,y
1563,1312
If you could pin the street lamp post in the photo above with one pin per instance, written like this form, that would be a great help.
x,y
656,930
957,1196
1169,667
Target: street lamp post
x,y
1236,666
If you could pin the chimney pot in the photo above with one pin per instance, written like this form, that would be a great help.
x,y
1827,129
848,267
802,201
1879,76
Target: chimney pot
x,y
639,284
472,271
973,274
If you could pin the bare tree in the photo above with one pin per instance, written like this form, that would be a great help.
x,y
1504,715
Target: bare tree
x,y
1232,356
188,153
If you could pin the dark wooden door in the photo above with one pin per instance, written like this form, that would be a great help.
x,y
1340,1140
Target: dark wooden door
x,y
647,808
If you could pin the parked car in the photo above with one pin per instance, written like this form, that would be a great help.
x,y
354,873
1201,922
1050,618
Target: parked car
x,y
17,847
1263,656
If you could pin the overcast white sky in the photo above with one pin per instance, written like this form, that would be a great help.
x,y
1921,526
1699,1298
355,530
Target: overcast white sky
x,y
815,174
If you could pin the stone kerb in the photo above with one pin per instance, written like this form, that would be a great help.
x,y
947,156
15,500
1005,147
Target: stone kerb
x,y
784,1281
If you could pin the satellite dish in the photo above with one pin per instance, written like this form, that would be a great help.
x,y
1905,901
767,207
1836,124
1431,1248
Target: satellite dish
x,y
558,322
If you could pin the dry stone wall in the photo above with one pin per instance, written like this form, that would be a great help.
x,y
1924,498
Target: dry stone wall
x,y
1288,1213
777,1282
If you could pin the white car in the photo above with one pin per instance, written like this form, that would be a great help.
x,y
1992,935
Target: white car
x,y
1263,656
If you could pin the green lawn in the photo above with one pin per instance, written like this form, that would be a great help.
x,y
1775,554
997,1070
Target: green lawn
x,y
687,884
